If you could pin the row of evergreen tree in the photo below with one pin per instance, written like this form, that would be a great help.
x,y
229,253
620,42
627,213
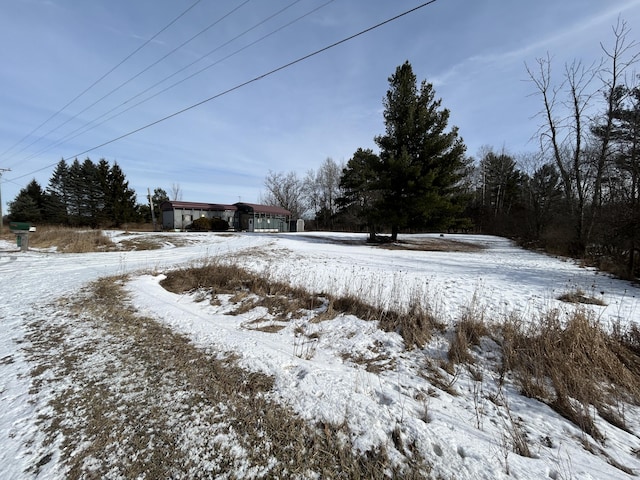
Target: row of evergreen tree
x,y
78,194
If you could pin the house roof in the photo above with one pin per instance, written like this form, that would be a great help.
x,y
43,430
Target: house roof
x,y
217,207
268,209
173,204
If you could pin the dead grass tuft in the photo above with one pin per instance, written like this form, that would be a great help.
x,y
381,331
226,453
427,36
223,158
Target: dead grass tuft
x,y
70,240
579,296
374,360
573,366
416,324
467,334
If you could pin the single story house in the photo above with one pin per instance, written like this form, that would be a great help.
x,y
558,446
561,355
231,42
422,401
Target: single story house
x,y
262,218
249,217
178,215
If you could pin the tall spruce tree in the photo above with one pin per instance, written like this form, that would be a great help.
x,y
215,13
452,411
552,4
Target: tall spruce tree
x,y
28,206
421,164
361,191
103,212
57,195
120,199
74,184
92,195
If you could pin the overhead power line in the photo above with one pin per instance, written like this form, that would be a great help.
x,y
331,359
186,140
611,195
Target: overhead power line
x,y
92,124
237,87
94,84
211,25
82,129
208,27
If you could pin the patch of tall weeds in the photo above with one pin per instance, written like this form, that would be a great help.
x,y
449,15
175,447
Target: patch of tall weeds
x,y
574,365
70,240
416,323
467,333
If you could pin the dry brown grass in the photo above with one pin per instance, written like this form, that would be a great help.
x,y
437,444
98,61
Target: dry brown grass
x,y
70,240
151,241
467,333
74,240
433,245
141,401
579,296
416,324
574,366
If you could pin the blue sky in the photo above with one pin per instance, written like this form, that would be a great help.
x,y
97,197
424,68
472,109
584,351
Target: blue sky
x,y
474,52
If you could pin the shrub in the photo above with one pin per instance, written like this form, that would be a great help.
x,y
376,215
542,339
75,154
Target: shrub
x,y
219,225
202,224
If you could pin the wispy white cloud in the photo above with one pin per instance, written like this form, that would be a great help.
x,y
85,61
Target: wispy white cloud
x,y
581,30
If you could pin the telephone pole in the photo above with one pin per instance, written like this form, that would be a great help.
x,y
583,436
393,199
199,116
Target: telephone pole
x,y
2,170
153,213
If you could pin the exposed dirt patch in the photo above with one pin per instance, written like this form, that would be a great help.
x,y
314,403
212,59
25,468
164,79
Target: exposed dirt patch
x,y
426,244
150,241
433,245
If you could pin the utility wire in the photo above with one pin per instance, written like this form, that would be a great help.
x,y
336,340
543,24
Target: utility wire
x,y
93,85
208,27
92,124
237,87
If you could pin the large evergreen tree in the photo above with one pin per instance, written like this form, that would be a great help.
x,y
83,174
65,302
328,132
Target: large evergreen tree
x,y
88,194
28,206
93,195
421,163
120,199
57,195
361,191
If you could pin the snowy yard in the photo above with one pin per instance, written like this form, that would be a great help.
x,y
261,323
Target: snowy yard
x,y
341,371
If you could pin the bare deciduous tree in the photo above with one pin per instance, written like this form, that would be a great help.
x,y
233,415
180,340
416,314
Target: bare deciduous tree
x,y
566,132
322,190
176,192
284,190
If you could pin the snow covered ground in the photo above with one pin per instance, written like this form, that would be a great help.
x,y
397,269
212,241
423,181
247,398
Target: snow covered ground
x,y
464,436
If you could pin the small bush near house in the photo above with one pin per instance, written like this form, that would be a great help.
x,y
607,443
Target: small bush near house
x,y
219,225
202,224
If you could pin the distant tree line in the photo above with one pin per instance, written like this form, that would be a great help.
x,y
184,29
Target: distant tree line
x,y
313,197
579,196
